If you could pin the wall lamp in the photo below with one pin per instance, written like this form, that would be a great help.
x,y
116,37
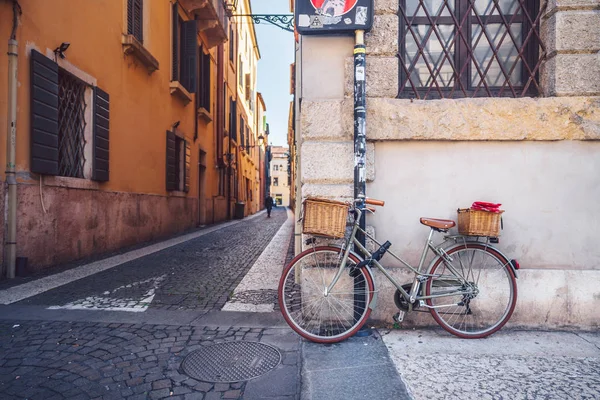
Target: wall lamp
x,y
60,50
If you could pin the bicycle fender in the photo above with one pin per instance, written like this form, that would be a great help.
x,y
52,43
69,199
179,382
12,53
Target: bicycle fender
x,y
506,259
373,302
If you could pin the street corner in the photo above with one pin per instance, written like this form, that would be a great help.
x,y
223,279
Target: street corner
x,y
508,364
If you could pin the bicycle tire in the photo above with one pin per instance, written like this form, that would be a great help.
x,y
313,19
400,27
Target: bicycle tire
x,y
492,283
306,309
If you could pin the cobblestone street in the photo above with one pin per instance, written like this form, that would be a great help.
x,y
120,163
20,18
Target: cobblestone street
x,y
124,332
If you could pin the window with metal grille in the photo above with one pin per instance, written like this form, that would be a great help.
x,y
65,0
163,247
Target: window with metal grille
x,y
469,48
135,9
71,125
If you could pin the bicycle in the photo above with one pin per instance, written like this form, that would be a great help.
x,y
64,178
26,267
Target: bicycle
x,y
326,293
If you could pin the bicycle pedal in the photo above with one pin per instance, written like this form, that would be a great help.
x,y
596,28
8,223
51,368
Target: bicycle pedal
x,y
399,317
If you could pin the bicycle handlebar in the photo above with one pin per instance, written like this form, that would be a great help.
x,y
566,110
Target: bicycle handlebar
x,y
374,202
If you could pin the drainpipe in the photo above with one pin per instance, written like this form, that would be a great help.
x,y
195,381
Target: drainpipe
x,y
10,246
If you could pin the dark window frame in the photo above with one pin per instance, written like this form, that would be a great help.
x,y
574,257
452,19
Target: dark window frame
x,y
463,20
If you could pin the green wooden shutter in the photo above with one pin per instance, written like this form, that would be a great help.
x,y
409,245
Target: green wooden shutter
x,y
44,115
100,161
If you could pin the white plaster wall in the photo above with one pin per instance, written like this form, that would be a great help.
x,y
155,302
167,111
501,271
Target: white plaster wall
x,y
549,190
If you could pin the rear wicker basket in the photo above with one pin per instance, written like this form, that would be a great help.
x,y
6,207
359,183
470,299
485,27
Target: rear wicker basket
x,y
479,223
323,217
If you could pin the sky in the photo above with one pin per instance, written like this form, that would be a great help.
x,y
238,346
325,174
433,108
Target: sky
x,y
277,53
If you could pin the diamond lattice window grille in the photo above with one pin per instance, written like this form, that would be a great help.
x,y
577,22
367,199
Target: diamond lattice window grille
x,y
71,125
469,48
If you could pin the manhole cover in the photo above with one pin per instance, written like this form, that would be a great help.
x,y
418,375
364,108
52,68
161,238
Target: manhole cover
x,y
231,361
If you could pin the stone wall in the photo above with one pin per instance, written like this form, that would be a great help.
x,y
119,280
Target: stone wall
x,y
81,222
537,155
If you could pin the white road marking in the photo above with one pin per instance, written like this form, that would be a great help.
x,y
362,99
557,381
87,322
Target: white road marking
x,y
33,288
116,304
266,271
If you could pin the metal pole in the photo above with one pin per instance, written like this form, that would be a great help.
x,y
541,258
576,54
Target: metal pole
x,y
360,146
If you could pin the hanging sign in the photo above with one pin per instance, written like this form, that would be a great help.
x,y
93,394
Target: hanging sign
x,y
333,16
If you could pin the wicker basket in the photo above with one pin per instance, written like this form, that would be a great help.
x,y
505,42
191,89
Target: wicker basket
x,y
479,223
323,217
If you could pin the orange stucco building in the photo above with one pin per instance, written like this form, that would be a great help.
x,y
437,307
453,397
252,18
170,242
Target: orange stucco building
x,y
121,122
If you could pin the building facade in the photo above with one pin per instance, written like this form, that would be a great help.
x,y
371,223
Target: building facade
x,y
492,112
280,177
243,146
120,123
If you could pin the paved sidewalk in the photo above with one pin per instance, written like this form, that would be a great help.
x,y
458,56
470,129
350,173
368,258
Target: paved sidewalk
x,y
511,364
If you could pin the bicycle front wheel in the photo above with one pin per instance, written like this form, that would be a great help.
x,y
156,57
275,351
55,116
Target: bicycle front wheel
x,y
474,292
319,316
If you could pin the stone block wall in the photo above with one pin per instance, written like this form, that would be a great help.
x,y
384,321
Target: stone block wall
x,y
562,123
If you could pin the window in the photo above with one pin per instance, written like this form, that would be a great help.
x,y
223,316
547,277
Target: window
x,y
469,48
240,71
71,125
61,135
275,168
178,163
135,25
247,89
242,124
231,44
232,119
248,189
275,181
203,93
184,51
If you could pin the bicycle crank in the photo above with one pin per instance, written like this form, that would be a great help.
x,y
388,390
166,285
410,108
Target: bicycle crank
x,y
400,301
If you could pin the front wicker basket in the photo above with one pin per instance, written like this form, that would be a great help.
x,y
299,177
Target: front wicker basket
x,y
479,223
324,217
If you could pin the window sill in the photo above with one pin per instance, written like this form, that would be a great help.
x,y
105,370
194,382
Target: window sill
x,y
204,114
132,46
179,91
177,193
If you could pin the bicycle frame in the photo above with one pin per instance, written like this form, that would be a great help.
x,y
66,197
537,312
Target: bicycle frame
x,y
420,275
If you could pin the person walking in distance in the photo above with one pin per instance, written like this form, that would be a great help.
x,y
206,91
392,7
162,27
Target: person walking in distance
x,y
269,205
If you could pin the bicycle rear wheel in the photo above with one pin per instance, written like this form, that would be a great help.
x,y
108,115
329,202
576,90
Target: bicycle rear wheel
x,y
306,308
482,288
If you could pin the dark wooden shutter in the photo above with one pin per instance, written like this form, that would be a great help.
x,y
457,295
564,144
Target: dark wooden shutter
x,y
44,115
189,56
100,159
203,94
171,167
135,11
233,122
187,166
175,33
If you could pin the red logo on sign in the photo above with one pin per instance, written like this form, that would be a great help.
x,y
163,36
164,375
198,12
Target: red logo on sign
x,y
333,8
